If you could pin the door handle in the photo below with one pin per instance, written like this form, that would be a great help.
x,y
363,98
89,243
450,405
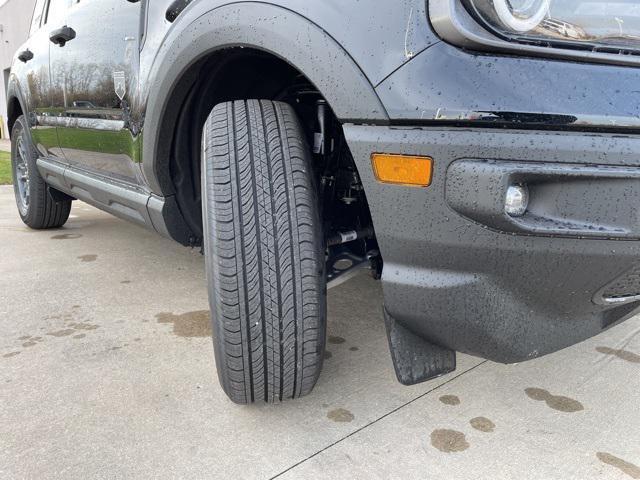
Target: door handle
x,y
62,35
25,55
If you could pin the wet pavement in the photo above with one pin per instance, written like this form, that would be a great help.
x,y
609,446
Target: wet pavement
x,y
107,371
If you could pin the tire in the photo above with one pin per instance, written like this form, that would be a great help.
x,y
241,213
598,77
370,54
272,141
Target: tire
x,y
264,252
37,207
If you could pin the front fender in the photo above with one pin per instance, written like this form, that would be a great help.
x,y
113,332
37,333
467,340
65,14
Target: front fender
x,y
201,30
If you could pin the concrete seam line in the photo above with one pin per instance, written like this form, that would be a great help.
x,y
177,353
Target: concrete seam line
x,y
391,412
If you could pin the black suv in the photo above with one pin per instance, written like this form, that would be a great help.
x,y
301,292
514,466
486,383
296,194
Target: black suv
x,y
481,157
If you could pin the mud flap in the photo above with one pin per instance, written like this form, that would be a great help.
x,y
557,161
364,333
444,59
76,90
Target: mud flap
x,y
416,360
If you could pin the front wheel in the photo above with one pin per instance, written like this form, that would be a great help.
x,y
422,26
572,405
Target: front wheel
x,y
37,207
264,252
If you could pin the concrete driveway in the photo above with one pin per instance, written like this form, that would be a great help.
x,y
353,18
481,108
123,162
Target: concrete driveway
x,y
107,371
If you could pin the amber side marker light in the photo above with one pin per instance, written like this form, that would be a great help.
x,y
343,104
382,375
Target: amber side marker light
x,y
403,169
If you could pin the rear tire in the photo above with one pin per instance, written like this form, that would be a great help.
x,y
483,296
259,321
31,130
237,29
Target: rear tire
x,y
37,207
264,252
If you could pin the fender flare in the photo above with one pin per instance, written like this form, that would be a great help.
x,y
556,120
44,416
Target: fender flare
x,y
14,92
200,31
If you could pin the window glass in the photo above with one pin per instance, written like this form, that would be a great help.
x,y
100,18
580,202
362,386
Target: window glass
x,y
37,15
56,12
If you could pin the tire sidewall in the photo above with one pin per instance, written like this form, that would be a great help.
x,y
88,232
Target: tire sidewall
x,y
21,131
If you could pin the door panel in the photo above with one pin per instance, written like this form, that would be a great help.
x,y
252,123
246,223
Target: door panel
x,y
98,73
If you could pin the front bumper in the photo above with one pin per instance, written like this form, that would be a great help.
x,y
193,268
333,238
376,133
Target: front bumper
x,y
457,274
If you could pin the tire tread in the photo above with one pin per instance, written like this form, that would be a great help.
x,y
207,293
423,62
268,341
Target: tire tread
x,y
264,252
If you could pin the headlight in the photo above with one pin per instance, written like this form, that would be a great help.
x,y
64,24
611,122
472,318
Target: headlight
x,y
521,15
585,24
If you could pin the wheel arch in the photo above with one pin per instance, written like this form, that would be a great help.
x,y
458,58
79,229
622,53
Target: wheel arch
x,y
15,104
201,32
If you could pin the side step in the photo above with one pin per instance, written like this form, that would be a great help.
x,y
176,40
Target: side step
x,y
118,198
416,360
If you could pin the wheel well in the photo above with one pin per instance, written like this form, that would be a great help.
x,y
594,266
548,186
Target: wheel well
x,y
14,110
240,74
236,74
230,74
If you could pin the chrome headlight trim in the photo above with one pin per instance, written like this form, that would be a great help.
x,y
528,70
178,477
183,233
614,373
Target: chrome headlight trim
x,y
453,23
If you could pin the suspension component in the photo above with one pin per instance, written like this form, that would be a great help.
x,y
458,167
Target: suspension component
x,y
349,236
321,143
343,264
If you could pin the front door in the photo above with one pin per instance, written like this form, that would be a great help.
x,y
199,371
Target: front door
x,y
33,65
95,63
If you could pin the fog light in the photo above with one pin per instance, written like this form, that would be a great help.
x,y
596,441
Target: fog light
x,y
517,200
